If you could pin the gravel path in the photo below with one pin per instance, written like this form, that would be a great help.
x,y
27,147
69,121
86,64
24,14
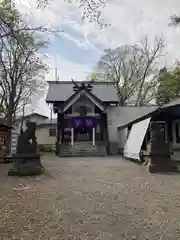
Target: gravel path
x,y
90,198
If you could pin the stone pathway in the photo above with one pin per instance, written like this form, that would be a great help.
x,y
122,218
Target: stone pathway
x,y
88,199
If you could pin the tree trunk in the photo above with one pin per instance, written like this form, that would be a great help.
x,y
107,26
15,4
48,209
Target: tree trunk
x,y
9,116
9,123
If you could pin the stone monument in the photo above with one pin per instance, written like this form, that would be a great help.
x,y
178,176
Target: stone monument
x,y
27,159
160,155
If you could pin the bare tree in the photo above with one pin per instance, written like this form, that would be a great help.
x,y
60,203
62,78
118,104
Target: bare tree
x,y
148,92
133,69
91,9
12,23
21,72
148,67
174,20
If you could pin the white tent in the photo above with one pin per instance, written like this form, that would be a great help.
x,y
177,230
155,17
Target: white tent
x,y
135,139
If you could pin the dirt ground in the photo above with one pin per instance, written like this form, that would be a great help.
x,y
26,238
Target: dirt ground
x,y
90,198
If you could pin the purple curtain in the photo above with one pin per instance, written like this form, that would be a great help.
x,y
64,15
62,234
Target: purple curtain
x,y
81,122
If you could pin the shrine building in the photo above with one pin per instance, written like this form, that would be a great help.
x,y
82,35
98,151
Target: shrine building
x,y
82,116
90,121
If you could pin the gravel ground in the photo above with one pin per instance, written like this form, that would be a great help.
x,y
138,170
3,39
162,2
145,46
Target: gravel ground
x,y
90,198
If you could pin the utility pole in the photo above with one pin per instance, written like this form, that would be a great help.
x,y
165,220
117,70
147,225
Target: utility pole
x,y
51,107
56,75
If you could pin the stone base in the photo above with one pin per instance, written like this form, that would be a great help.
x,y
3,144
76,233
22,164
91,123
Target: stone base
x,y
82,149
157,168
26,167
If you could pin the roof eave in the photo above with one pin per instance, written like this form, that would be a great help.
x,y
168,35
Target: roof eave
x,y
45,124
29,115
151,114
54,101
6,126
70,82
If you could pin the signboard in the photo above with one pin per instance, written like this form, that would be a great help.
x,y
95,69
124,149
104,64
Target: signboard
x,y
3,136
3,139
14,140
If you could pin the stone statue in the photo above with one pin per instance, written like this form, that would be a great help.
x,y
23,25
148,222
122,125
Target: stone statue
x,y
27,159
27,140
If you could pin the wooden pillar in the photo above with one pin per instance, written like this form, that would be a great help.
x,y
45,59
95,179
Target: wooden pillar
x,y
93,136
105,130
58,128
72,136
58,135
61,121
102,126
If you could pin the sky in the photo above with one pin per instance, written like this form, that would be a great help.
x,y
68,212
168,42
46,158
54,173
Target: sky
x,y
79,44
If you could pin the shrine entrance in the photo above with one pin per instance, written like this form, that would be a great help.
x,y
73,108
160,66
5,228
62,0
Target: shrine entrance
x,y
83,128
82,121
82,134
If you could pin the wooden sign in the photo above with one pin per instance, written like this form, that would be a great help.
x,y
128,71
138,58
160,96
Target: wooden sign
x,y
2,139
3,135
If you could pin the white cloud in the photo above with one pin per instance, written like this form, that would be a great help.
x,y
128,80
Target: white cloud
x,y
66,69
79,43
130,22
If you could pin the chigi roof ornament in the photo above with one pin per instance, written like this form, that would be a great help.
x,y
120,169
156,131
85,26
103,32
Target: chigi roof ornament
x,y
77,86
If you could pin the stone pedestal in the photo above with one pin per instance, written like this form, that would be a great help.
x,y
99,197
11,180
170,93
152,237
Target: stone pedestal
x,y
26,165
160,161
27,160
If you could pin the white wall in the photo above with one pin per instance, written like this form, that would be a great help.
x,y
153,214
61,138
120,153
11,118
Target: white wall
x,y
113,114
42,134
122,137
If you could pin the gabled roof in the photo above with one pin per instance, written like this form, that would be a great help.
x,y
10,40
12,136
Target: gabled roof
x,y
61,91
83,91
31,115
3,124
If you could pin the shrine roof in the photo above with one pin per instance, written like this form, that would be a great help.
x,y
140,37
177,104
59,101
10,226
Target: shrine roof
x,y
61,91
3,123
129,115
31,115
134,114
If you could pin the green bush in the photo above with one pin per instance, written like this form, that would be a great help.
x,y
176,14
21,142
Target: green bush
x,y
47,148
